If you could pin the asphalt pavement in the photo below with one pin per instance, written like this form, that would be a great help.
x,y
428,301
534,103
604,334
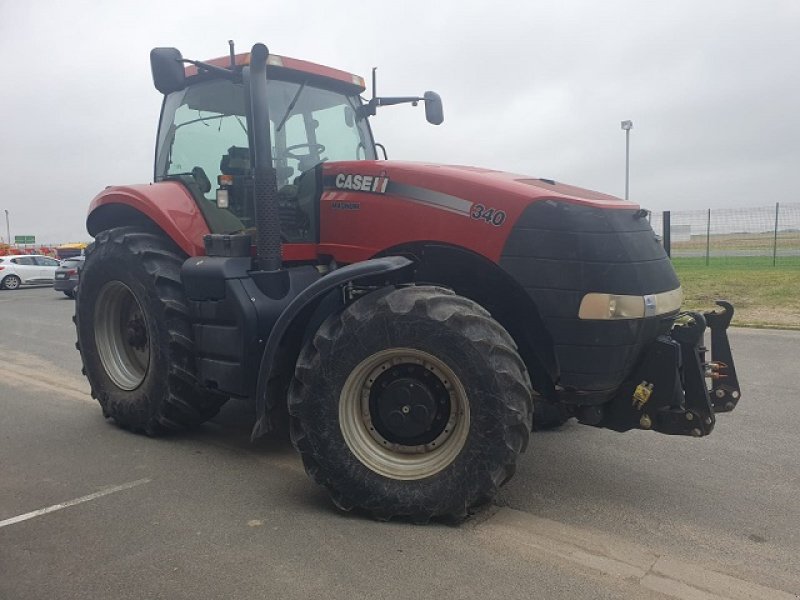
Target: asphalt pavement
x,y
90,511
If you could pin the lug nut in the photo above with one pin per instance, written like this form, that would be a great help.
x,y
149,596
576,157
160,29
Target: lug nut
x,y
729,406
720,393
735,395
708,421
645,422
689,416
696,432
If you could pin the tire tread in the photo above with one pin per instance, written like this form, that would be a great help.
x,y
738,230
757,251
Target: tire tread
x,y
185,402
480,330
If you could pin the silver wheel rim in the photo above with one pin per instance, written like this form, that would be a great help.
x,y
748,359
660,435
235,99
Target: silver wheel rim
x,y
121,335
393,460
12,282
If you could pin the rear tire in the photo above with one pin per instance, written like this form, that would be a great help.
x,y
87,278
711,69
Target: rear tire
x,y
10,282
462,396
135,335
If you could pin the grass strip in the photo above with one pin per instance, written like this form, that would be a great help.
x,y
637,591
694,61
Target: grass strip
x,y
763,295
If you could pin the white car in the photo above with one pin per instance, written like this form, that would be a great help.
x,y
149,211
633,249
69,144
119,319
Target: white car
x,y
25,269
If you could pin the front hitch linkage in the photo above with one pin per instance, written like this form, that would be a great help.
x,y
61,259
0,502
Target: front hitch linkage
x,y
725,390
669,392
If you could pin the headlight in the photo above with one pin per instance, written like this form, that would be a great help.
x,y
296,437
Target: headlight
x,y
618,306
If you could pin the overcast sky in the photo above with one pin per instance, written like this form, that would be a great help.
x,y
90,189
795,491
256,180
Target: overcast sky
x,y
533,87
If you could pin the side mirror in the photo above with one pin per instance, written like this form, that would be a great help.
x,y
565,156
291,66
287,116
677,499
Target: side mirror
x,y
167,67
434,112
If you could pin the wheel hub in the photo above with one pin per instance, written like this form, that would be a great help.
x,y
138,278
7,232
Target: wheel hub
x,y
137,333
409,405
121,335
404,413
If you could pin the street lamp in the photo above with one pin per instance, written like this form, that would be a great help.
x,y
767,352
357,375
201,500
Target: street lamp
x,y
8,228
627,126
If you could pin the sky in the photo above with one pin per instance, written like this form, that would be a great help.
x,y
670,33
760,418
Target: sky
x,y
533,87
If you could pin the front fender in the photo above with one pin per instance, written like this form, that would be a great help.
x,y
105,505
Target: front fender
x,y
303,305
167,204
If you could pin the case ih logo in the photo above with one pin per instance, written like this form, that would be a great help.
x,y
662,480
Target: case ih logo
x,y
361,183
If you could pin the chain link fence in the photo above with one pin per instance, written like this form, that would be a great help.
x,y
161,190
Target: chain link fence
x,y
772,232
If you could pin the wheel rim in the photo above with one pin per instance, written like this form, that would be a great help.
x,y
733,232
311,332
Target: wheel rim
x,y
404,414
121,335
12,282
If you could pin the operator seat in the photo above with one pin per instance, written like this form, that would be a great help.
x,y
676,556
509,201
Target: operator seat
x,y
235,162
219,220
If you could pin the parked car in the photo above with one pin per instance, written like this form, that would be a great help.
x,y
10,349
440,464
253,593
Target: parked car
x,y
17,270
66,278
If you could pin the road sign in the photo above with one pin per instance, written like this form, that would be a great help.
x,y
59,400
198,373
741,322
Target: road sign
x,y
24,239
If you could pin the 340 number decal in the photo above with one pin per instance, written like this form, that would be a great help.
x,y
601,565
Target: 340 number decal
x,y
490,215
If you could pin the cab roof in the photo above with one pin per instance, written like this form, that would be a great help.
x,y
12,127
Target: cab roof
x,y
277,63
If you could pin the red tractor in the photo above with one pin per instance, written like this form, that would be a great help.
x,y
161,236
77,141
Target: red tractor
x,y
410,323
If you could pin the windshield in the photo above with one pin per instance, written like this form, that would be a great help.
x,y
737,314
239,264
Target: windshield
x,y
205,126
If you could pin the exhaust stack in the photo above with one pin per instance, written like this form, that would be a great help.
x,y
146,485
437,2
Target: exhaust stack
x,y
268,228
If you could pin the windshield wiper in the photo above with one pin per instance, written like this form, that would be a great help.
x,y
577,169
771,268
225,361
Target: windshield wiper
x,y
204,121
290,108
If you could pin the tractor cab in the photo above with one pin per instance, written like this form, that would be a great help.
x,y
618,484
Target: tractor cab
x,y
205,139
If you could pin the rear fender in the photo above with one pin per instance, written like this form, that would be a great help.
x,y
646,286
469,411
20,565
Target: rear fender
x,y
167,205
290,326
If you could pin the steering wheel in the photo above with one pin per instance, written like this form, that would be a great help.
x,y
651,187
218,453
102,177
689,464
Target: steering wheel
x,y
313,150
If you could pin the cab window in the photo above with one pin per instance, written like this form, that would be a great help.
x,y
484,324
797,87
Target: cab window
x,y
203,135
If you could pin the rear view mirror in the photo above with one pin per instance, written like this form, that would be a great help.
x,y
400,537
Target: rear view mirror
x,y
434,112
167,67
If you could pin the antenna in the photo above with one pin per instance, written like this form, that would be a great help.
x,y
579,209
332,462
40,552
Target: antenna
x,y
233,55
374,83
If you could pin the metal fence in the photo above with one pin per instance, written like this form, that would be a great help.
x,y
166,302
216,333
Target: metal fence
x,y
767,231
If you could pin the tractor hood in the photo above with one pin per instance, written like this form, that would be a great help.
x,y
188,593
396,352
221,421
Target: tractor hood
x,y
368,200
476,184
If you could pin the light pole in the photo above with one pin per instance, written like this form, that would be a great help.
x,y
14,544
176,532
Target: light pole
x,y
8,228
627,126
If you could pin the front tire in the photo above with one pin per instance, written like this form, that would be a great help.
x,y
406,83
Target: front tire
x,y
135,335
10,282
411,402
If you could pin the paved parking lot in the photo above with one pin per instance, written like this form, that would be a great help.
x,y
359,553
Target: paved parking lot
x,y
90,511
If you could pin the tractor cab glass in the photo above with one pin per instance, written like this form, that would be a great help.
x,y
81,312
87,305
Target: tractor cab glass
x,y
203,141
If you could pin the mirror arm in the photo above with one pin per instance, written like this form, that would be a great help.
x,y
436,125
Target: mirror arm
x,y
398,100
211,68
369,109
